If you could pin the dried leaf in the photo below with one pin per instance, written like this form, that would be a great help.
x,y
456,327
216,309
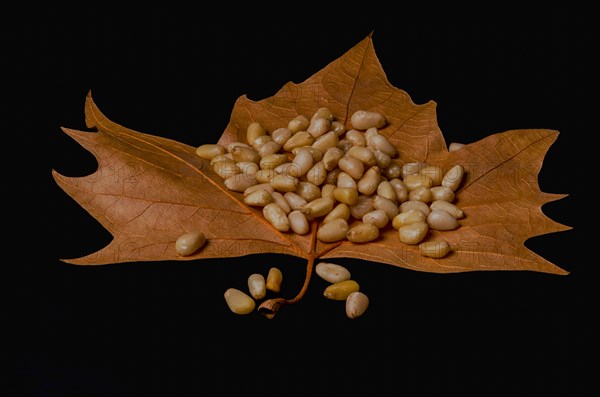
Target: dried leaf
x,y
149,190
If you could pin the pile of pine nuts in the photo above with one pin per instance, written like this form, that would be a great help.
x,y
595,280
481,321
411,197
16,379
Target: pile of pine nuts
x,y
318,169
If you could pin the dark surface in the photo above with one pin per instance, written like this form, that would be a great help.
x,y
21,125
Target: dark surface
x,y
163,327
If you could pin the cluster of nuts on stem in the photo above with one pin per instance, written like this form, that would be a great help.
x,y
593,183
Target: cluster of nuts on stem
x,y
317,169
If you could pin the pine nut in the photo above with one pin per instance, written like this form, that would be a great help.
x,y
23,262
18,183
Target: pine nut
x,y
239,182
241,153
260,141
434,249
411,169
274,279
339,291
400,189
302,163
258,198
413,182
281,201
317,155
415,205
332,273
421,194
257,286
332,231
317,208
308,191
327,191
295,201
393,170
442,193
364,119
356,304
238,302
284,183
365,155
265,176
268,148
408,217
317,174
345,145
436,174
413,233
441,220
253,131
448,207
454,146
189,243
261,186
276,217
247,168
221,157
323,113
362,232
340,211
318,127
208,151
356,137
346,195
338,127
453,177
383,160
234,144
298,123
380,142
368,183
226,169
298,222
331,158
345,180
302,138
385,189
326,141
272,161
381,203
352,166
332,176
378,218
363,205
281,135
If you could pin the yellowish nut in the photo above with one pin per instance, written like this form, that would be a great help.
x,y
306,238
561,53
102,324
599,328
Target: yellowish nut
x,y
274,279
441,220
327,191
340,211
281,135
434,249
277,217
362,206
326,141
338,127
265,176
368,183
302,138
378,218
317,155
448,207
318,207
400,189
411,169
383,160
234,144
413,182
261,186
331,158
302,163
281,201
408,217
323,113
415,205
356,304
385,189
413,233
346,195
254,131
421,194
332,176
257,286
453,177
239,182
345,180
364,154
317,174
284,183
225,169
454,146
380,142
333,231
298,222
436,174
268,149
339,291
258,198
381,203
393,170
352,166
298,123
442,193
365,119
239,302
356,137
362,232
295,201
189,243
332,272
209,151
241,153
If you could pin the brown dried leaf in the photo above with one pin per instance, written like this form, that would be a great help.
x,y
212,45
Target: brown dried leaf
x,y
149,190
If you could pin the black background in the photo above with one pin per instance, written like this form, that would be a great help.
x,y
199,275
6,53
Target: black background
x,y
164,327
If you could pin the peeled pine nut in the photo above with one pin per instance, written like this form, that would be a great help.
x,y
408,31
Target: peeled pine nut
x,y
400,189
322,113
298,123
260,141
413,182
257,286
326,141
284,183
331,158
356,304
364,119
421,194
377,217
442,193
327,191
379,142
381,203
365,155
258,198
331,272
247,168
332,231
241,153
393,170
318,207
240,182
274,279
317,174
317,155
339,291
253,131
318,127
345,180
295,201
357,138
362,206
298,222
434,249
276,217
208,151
346,195
340,211
385,189
302,163
226,169
308,191
454,146
368,183
453,177
272,161
417,205
441,220
383,160
238,302
265,176
281,201
338,127
302,138
408,217
436,174
352,166
281,135
448,207
362,232
189,243
268,148
411,169
221,157
413,233
262,186
234,144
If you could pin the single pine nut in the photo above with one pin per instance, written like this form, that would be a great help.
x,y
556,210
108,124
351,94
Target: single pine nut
x,y
393,171
241,153
226,169
385,189
221,157
362,232
326,141
247,168
356,137
268,148
298,222
453,177
415,205
400,189
346,195
318,127
332,231
317,173
340,211
209,151
265,176
448,207
253,131
283,169
323,113
332,176
260,141
413,233
261,186
408,217
356,304
257,286
239,182
339,291
371,132
352,166
421,194
454,146
276,217
317,155
318,207
344,145
368,183
274,279
302,138
327,191
413,182
364,154
363,205
364,119
302,163
308,191
411,169
380,142
441,220
281,201
238,302
331,158
332,273
378,218
383,160
234,144
298,123
272,161
442,193
258,198
338,127
281,135
295,201
189,243
436,174
390,207
345,180
284,183
434,249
